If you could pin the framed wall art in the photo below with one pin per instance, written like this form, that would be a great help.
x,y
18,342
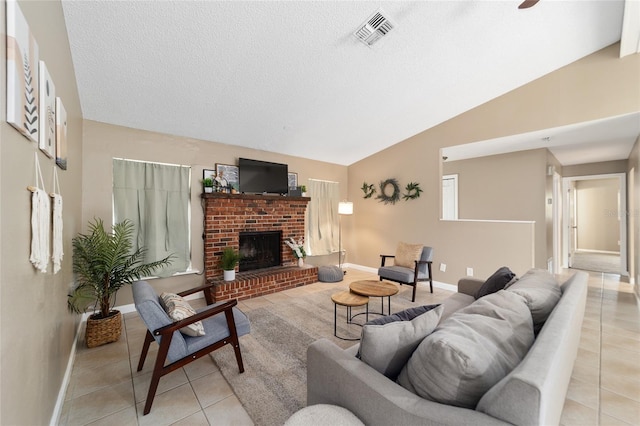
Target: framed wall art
x,y
208,173
230,174
61,135
47,112
22,74
293,179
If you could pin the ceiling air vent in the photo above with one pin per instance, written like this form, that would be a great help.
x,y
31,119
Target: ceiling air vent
x,y
374,28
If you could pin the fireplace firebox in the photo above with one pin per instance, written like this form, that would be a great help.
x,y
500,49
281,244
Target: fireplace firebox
x,y
260,250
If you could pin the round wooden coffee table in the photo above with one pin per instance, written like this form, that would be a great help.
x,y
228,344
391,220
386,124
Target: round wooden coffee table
x,y
348,299
372,288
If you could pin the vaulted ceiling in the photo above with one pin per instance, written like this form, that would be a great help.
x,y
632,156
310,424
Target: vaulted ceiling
x,y
290,76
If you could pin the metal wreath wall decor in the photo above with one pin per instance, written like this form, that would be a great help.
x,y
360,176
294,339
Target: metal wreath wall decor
x,y
392,195
413,191
368,190
395,194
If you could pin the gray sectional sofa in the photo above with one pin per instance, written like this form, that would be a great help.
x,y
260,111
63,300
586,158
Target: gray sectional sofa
x,y
532,393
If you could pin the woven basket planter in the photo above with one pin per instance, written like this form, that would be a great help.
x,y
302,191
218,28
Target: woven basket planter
x,y
104,330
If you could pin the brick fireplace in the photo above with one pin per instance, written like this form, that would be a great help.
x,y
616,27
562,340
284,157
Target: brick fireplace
x,y
226,215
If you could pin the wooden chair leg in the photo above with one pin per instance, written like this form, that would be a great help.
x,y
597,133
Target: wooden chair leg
x,y
415,286
236,349
157,373
233,336
145,349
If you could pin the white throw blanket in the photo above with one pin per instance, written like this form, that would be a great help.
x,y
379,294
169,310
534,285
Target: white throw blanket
x,y
40,218
57,233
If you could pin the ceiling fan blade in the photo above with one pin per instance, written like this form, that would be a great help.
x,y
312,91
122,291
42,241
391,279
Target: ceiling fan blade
x,y
527,4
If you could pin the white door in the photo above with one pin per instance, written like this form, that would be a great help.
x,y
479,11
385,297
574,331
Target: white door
x,y
450,197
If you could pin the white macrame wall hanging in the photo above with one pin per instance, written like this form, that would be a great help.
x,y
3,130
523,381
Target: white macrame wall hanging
x,y
57,223
40,220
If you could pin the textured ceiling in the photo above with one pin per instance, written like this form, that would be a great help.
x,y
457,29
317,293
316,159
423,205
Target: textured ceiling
x,y
290,77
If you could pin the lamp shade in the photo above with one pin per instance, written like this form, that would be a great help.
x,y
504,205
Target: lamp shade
x,y
345,207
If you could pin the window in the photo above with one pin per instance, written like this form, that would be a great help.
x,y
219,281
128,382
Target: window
x,y
155,197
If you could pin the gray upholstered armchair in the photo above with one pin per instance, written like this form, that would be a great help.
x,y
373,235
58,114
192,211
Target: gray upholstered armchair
x,y
404,274
222,324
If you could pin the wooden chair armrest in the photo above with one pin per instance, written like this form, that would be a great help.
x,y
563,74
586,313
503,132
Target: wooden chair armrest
x,y
206,289
383,258
195,290
169,329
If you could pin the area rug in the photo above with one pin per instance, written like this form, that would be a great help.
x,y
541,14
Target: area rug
x,y
598,262
273,386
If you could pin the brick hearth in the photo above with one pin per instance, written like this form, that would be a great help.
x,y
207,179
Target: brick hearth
x,y
226,215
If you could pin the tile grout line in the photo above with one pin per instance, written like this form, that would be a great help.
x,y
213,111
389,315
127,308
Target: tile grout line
x,y
600,350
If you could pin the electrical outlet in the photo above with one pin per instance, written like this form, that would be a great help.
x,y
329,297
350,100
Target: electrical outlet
x,y
443,267
469,272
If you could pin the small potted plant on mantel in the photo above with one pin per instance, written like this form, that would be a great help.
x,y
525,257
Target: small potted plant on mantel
x,y
208,185
228,262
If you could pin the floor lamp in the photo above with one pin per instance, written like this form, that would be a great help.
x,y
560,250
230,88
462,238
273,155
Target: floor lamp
x,y
344,208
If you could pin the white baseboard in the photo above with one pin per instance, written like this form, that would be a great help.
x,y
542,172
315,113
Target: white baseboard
x,y
57,410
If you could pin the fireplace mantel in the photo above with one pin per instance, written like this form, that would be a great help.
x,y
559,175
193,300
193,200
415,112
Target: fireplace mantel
x,y
243,196
226,215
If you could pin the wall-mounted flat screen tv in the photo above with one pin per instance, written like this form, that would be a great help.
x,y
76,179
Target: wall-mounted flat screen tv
x,y
260,177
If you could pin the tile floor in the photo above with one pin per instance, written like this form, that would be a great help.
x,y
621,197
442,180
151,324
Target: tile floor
x,y
105,389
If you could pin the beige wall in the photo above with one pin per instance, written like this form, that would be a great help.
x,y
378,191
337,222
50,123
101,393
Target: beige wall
x,y
103,142
597,214
488,188
603,168
600,85
486,185
37,332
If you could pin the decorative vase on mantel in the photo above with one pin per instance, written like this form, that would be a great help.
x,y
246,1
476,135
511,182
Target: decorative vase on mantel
x,y
300,262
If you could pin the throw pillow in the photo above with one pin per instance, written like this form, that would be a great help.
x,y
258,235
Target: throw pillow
x,y
406,315
407,254
470,351
541,291
495,282
178,309
388,346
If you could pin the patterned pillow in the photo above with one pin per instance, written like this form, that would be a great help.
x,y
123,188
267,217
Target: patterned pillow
x,y
178,309
407,254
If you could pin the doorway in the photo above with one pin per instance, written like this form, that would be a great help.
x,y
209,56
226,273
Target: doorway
x,y
594,224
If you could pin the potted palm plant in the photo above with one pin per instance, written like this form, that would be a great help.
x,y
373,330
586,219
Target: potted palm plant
x,y
103,262
230,258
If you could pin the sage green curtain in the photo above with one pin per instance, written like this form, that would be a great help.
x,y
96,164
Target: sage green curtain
x,y
322,217
155,197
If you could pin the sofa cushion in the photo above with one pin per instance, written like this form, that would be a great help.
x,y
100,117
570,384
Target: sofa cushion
x,y
541,292
178,309
387,342
470,351
495,282
407,254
